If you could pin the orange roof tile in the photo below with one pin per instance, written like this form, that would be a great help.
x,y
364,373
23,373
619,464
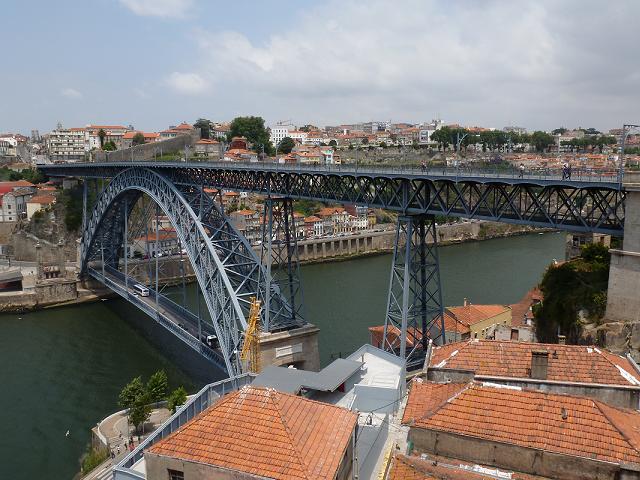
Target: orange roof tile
x,y
206,141
471,314
42,199
566,363
266,433
405,467
563,424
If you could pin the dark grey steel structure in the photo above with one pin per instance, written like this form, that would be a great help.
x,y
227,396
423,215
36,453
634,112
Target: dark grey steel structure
x,y
229,273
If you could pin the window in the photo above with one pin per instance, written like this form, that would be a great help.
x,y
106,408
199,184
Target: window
x,y
175,475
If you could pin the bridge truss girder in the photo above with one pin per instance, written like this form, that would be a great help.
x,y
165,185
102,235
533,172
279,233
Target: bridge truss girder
x,y
567,205
227,270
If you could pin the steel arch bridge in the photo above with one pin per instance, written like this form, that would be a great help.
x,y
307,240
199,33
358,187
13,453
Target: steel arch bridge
x,y
227,270
589,202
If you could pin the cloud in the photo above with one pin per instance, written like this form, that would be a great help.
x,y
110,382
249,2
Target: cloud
x,y
159,8
187,83
539,63
71,93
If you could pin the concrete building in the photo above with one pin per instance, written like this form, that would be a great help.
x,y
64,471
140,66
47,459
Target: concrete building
x,y
532,432
248,223
279,132
39,202
258,433
575,241
572,369
113,133
480,318
66,144
13,200
166,244
209,149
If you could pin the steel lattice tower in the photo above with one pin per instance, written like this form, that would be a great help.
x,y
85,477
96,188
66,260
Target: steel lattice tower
x,y
280,257
415,312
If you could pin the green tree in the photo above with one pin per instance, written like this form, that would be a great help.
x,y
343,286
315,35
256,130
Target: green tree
x,y
138,139
157,386
286,145
176,398
541,140
559,131
71,200
253,129
131,392
101,136
205,127
109,146
383,144
578,285
140,411
333,143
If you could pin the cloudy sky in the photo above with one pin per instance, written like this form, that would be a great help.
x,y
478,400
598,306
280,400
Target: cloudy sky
x,y
152,63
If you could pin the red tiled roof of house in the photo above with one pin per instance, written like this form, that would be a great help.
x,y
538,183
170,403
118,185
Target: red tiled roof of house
x,y
246,211
328,211
312,218
566,363
471,314
265,433
522,308
42,199
563,424
405,467
206,141
183,126
162,236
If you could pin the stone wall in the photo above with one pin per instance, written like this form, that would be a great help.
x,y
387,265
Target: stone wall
x,y
148,151
513,457
23,247
297,347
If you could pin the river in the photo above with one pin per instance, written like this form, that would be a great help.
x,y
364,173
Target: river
x,y
62,368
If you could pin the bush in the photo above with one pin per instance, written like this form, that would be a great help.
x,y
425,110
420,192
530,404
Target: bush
x,y
176,398
92,458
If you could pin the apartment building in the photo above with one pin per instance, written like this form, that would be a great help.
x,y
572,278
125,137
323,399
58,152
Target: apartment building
x,y
66,144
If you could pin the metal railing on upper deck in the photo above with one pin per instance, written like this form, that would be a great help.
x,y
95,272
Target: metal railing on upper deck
x,y
470,172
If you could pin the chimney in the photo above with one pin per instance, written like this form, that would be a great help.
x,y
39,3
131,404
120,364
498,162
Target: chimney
x,y
539,364
465,302
562,339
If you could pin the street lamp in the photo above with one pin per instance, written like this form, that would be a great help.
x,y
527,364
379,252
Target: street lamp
x,y
622,141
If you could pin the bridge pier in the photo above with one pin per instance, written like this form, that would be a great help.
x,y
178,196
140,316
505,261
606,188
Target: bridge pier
x,y
415,312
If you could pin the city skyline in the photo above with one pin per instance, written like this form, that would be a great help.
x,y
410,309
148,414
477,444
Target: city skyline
x,y
156,63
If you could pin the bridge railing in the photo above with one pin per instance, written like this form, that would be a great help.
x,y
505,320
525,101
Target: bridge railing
x,y
461,171
206,397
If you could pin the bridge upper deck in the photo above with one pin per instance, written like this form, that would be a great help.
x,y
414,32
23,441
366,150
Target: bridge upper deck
x,y
607,179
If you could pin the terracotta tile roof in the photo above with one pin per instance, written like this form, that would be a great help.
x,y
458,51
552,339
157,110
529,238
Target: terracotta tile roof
x,y
564,424
266,433
566,363
246,211
471,314
522,308
42,199
405,467
312,219
206,141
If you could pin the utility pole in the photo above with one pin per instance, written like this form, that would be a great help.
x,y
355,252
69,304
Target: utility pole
x,y
622,142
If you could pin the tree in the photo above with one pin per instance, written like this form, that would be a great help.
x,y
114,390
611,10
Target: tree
x,y
286,145
365,141
140,411
102,135
110,146
253,129
205,127
559,131
308,128
157,386
383,144
138,139
130,392
333,143
176,398
541,140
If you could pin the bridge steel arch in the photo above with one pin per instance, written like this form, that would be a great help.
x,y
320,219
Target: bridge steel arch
x,y
227,270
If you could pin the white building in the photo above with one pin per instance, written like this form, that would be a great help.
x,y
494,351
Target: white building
x,y
113,133
66,144
279,132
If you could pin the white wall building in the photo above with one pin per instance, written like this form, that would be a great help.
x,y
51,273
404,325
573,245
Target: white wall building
x,y
279,132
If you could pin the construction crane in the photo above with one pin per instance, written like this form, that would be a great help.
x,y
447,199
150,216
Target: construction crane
x,y
251,346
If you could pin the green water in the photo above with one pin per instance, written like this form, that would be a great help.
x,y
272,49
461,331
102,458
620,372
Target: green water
x,y
62,369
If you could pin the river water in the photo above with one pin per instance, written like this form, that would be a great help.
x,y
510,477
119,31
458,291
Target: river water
x,y
61,369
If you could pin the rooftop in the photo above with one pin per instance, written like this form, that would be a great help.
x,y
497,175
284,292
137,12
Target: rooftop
x,y
266,433
575,426
566,363
471,314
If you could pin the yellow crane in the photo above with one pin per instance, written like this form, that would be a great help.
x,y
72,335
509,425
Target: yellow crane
x,y
251,346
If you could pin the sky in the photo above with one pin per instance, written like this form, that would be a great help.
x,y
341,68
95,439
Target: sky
x,y
153,63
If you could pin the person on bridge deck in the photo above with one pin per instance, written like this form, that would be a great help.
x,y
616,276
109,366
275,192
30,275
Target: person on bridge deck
x,y
568,171
424,165
564,171
521,173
